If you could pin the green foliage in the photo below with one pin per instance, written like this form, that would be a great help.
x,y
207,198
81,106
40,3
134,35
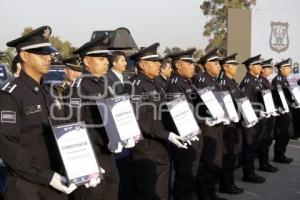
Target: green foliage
x,y
216,28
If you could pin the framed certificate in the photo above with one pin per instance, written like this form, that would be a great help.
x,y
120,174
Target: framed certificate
x,y
295,91
227,103
120,121
268,101
77,153
249,116
283,100
212,104
183,118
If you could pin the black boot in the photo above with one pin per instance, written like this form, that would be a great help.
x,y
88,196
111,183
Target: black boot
x,y
268,168
231,189
253,178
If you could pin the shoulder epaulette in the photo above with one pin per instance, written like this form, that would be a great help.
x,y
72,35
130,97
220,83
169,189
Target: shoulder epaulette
x,y
222,82
278,78
136,82
174,80
202,79
9,87
77,82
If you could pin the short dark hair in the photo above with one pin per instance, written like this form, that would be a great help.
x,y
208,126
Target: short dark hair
x,y
14,63
165,61
116,56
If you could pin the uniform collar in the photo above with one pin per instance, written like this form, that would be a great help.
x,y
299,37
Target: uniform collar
x,y
252,77
144,77
91,77
36,87
282,77
208,76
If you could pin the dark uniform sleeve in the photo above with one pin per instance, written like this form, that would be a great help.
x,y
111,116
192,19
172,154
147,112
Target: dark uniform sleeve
x,y
14,154
150,126
248,90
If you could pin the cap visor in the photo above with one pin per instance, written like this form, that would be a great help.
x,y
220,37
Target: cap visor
x,y
153,59
98,54
42,50
75,67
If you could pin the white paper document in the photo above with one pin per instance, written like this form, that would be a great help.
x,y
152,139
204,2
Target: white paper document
x,y
268,101
212,104
227,103
283,100
120,122
245,107
295,91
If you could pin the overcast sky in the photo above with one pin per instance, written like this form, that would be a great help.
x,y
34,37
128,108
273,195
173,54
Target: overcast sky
x,y
170,22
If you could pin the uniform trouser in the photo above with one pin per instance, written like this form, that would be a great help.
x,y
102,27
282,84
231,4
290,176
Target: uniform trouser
x,y
265,139
17,188
150,177
212,154
186,164
108,189
296,124
282,123
124,167
249,149
232,144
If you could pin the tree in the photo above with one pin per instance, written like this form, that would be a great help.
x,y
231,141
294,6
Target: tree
x,y
172,50
216,28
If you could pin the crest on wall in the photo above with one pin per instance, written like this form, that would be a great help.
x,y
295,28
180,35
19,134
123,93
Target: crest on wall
x,y
279,38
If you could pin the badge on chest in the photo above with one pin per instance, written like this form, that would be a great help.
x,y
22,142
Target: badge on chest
x,y
32,109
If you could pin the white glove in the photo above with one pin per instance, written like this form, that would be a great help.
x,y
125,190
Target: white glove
x,y
119,148
58,182
129,143
226,122
281,111
192,139
264,114
274,114
102,170
93,182
115,148
176,140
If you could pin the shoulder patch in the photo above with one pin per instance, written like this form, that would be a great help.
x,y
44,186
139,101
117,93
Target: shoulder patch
x,y
9,87
8,116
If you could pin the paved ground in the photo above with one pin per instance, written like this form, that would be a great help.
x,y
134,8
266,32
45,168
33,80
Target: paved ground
x,y
284,185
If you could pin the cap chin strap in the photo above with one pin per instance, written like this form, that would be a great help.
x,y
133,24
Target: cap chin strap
x,y
35,46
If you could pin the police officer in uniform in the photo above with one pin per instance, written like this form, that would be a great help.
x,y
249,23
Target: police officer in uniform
x,y
232,133
150,159
73,69
267,124
250,87
212,135
188,175
26,145
90,86
282,122
165,73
